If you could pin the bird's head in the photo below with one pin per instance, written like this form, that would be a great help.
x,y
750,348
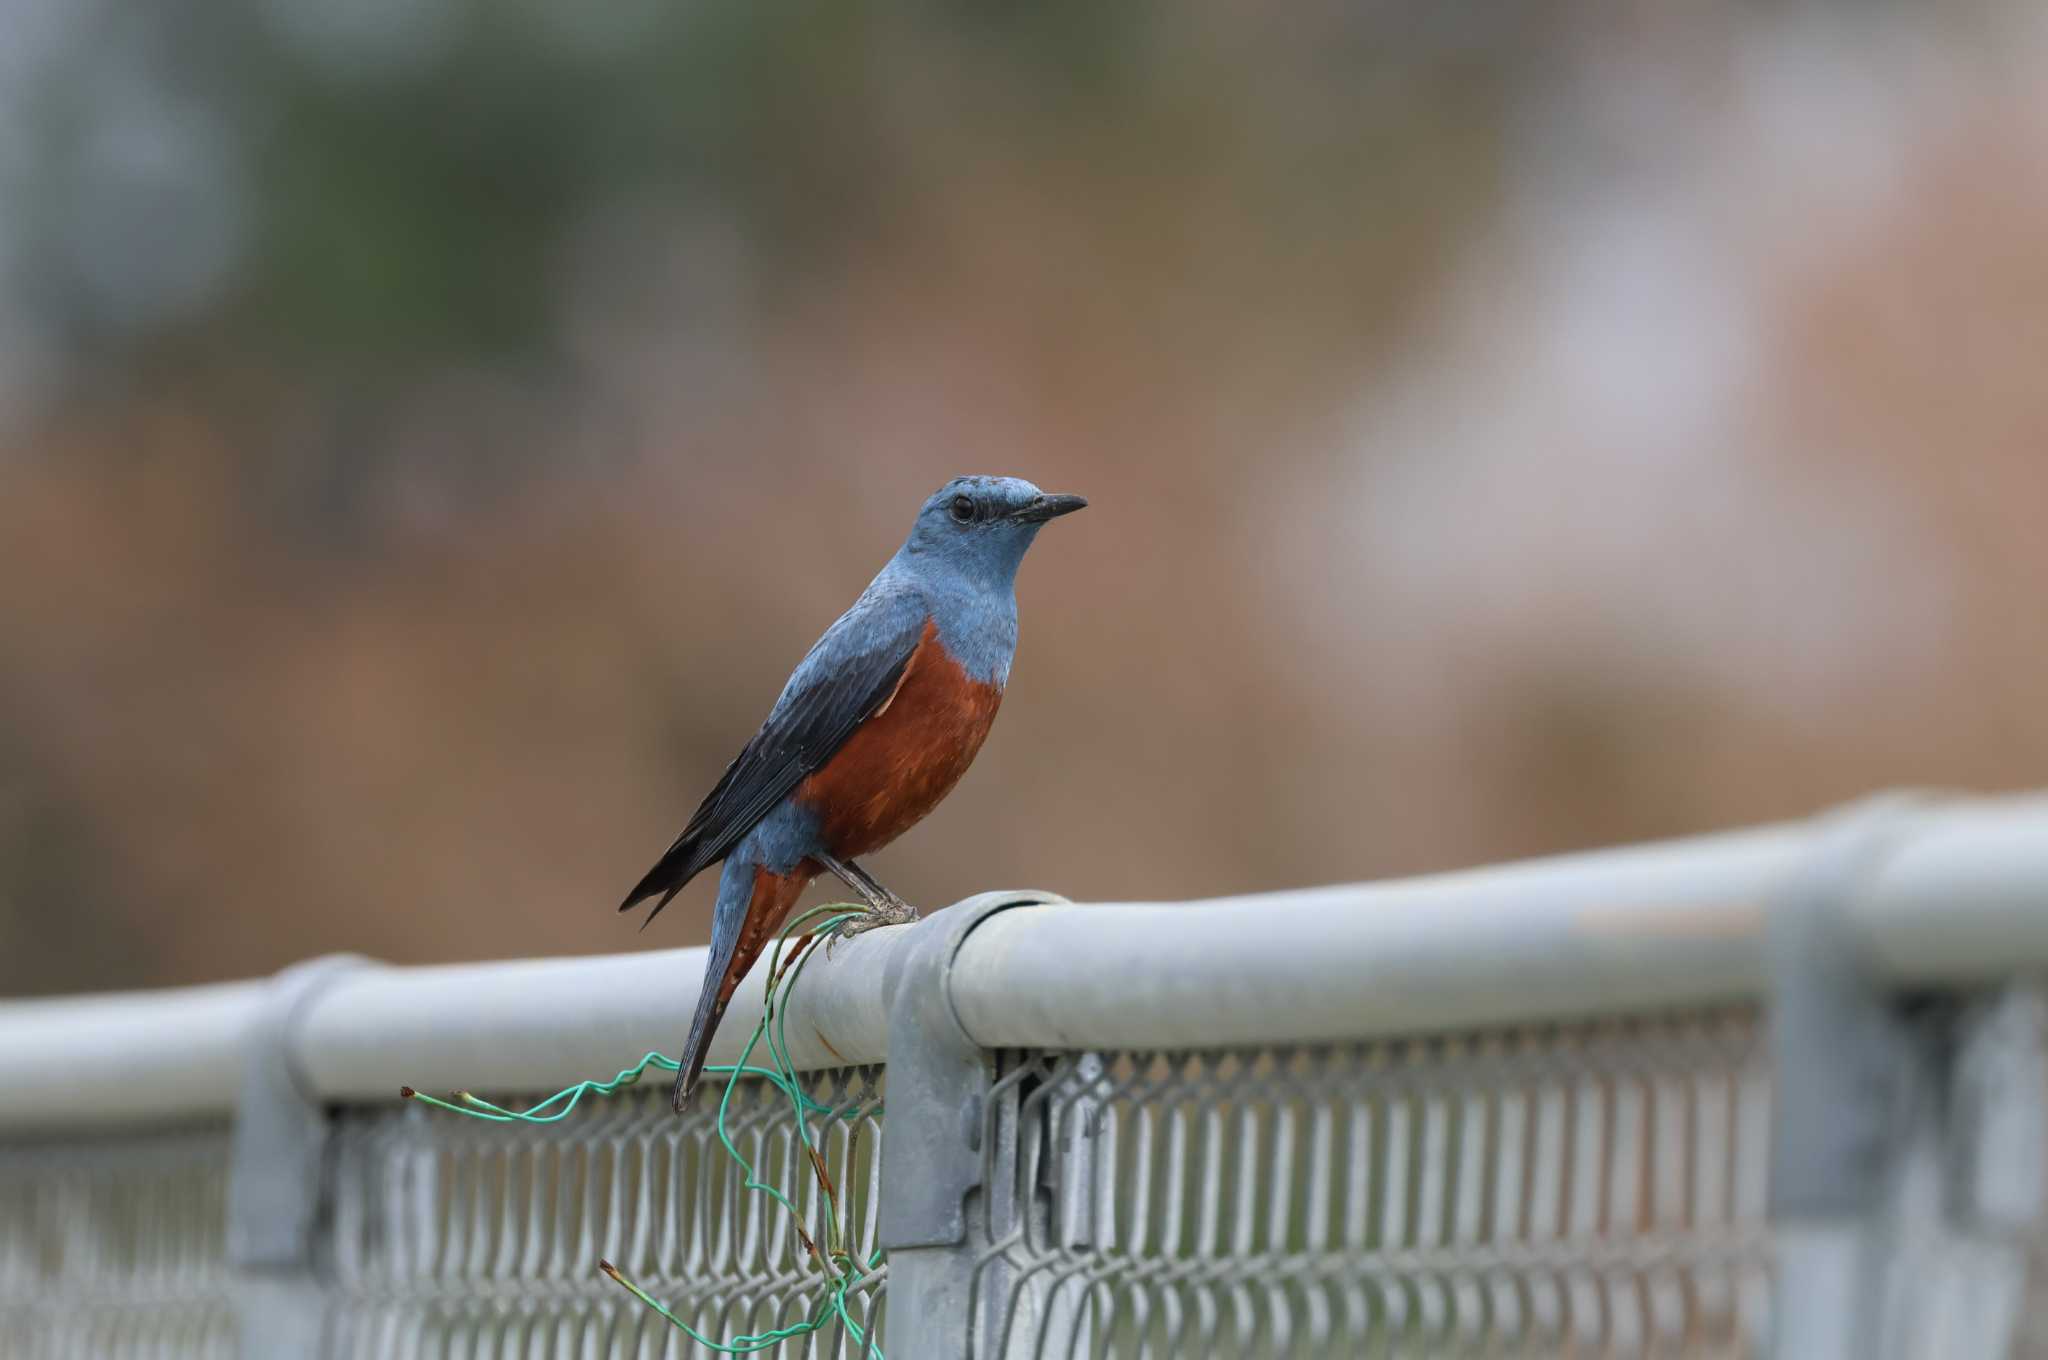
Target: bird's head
x,y
980,526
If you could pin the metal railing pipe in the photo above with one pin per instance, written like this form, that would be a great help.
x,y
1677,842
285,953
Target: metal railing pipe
x,y
124,1057
1664,925
534,1025
1960,894
1963,897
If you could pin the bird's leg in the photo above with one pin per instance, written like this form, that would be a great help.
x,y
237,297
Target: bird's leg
x,y
884,907
884,902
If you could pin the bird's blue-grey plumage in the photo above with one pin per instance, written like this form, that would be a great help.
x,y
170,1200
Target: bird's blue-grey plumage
x,y
842,680
960,576
956,574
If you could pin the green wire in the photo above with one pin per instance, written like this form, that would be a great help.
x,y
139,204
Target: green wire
x,y
476,1107
773,1027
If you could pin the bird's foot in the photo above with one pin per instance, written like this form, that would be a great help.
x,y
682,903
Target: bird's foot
x,y
896,913
883,906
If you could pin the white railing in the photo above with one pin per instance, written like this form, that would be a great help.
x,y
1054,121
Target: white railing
x,y
1520,1110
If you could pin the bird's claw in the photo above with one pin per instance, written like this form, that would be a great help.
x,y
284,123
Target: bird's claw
x,y
896,914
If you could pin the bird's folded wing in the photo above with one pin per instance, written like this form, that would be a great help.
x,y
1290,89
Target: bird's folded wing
x,y
850,674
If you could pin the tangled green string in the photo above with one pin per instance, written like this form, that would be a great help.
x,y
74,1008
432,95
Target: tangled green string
x,y
846,1270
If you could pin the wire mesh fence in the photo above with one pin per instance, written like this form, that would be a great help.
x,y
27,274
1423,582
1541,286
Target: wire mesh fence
x,y
1797,1106
1590,1190
1587,1190
115,1247
479,1239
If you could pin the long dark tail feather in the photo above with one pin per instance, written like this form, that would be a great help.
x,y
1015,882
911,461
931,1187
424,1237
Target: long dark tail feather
x,y
751,905
711,1004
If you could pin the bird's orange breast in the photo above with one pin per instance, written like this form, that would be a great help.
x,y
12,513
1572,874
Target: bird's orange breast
x,y
901,762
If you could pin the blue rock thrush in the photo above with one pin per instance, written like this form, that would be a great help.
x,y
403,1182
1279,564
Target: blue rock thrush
x,y
877,725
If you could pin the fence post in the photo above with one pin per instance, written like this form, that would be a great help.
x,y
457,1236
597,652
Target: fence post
x,y
936,1146
1854,1082
276,1173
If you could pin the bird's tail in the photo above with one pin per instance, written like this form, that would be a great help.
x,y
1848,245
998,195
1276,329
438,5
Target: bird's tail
x,y
752,903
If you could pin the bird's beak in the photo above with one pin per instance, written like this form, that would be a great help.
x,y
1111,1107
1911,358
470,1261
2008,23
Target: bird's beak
x,y
1050,507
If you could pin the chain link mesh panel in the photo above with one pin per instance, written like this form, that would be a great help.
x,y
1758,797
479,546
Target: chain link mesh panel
x,y
115,1247
1987,1261
458,1237
1584,1191
1593,1190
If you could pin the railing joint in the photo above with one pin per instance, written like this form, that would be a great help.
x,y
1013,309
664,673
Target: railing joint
x,y
276,1171
933,1156
1851,1110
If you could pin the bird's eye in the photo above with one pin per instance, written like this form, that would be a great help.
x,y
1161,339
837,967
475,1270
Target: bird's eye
x,y
963,509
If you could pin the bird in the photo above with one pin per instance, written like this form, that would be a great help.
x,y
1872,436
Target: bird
x,y
876,725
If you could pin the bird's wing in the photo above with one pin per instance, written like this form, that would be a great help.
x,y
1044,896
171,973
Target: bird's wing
x,y
844,680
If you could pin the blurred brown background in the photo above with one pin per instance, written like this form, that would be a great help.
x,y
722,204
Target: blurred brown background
x,y
431,429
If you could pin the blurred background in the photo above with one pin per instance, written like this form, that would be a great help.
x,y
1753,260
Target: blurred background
x,y
430,430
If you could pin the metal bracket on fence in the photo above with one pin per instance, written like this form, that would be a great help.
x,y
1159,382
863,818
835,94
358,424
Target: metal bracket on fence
x,y
275,1171
1849,1073
932,1157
